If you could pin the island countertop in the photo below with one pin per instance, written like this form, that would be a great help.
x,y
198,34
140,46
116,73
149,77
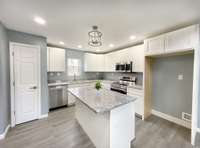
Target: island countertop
x,y
102,100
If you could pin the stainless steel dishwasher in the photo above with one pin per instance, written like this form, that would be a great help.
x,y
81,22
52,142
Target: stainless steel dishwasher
x,y
57,96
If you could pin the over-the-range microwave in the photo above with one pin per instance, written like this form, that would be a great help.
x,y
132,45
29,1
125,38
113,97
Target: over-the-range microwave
x,y
124,67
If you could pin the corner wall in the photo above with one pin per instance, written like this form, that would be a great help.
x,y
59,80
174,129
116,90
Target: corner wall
x,y
4,80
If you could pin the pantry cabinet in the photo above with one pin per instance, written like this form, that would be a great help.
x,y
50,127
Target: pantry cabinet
x,y
185,39
181,40
155,45
55,59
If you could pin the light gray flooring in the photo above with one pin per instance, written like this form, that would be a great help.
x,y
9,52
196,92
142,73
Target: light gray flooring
x,y
61,130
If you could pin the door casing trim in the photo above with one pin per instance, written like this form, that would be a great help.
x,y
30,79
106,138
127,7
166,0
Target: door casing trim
x,y
12,92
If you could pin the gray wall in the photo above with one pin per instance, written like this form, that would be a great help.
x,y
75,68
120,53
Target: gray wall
x,y
116,76
170,95
4,80
199,93
19,37
64,77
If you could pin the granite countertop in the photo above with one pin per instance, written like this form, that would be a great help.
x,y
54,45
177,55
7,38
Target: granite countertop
x,y
100,101
140,87
58,83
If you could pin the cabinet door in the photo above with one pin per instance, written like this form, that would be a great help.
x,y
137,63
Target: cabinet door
x,y
94,62
88,62
71,99
110,61
99,62
139,104
181,40
155,45
136,55
56,60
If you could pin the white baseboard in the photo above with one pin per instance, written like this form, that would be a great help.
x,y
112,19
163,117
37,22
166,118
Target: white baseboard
x,y
43,116
2,136
171,119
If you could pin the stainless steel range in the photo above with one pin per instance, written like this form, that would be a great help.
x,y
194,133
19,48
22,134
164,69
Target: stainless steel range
x,y
122,84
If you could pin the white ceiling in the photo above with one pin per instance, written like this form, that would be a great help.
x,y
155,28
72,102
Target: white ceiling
x,y
70,20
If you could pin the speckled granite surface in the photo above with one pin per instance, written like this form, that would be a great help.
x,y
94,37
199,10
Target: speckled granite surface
x,y
100,101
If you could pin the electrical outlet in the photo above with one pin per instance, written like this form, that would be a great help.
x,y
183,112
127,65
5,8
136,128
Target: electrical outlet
x,y
180,77
51,74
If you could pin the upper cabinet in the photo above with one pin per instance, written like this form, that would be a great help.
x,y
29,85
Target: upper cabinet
x,y
107,62
94,62
55,59
155,45
180,40
183,39
136,54
110,61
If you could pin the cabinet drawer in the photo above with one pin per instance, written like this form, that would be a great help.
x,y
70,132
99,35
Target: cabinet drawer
x,y
71,99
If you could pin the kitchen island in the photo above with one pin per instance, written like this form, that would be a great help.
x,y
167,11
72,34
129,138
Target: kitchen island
x,y
107,117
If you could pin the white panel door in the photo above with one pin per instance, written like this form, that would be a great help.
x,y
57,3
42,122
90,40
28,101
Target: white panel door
x,y
26,76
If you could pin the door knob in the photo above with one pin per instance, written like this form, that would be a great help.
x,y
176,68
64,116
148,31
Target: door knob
x,y
34,87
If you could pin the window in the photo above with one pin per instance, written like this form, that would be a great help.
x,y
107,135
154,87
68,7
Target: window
x,y
74,67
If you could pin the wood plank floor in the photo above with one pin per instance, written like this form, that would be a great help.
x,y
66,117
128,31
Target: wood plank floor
x,y
61,130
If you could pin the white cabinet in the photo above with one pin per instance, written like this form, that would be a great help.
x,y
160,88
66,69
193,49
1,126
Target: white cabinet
x,y
139,102
155,45
183,39
136,54
55,59
110,61
71,99
107,62
94,62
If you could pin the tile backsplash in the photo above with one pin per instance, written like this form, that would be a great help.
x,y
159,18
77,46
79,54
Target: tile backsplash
x,y
95,75
116,76
53,76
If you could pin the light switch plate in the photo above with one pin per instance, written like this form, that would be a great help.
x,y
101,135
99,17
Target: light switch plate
x,y
180,77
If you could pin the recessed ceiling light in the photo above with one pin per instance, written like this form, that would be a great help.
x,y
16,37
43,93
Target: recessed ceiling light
x,y
79,46
111,45
40,20
61,43
132,37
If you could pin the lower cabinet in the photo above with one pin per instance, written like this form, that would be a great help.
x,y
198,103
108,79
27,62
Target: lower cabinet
x,y
139,103
71,99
